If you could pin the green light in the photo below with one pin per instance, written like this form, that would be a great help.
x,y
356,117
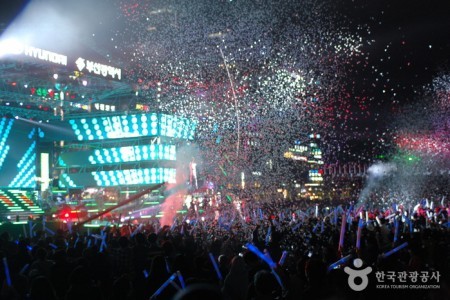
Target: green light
x,y
152,202
109,204
146,217
92,210
129,192
20,223
181,211
92,225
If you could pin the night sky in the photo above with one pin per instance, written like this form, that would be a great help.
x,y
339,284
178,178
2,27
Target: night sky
x,y
365,74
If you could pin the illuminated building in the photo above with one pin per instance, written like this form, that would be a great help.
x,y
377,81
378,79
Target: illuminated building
x,y
308,156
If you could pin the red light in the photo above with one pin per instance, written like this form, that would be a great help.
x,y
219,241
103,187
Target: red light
x,y
13,83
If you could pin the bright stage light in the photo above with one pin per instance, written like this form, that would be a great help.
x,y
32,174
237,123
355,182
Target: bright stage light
x,y
11,46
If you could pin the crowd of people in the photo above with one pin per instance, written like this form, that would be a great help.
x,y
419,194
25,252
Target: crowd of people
x,y
278,249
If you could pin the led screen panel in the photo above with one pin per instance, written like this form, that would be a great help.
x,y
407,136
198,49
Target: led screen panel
x,y
132,126
18,140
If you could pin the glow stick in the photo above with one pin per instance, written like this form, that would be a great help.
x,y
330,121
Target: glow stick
x,y
396,228
50,231
358,234
390,216
89,243
367,216
258,253
267,254
30,225
103,242
216,267
316,214
138,229
181,279
175,285
69,226
349,222
164,285
277,277
260,214
145,273
378,221
53,246
167,265
269,232
24,269
296,227
8,276
339,262
390,252
341,237
316,226
283,258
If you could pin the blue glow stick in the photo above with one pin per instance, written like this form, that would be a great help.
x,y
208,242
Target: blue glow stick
x,y
164,285
342,235
53,246
411,226
261,255
358,234
24,269
260,214
181,279
396,228
296,227
339,262
29,248
283,258
277,277
167,265
269,232
145,273
6,267
89,243
390,252
216,267
103,241
50,231
30,224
